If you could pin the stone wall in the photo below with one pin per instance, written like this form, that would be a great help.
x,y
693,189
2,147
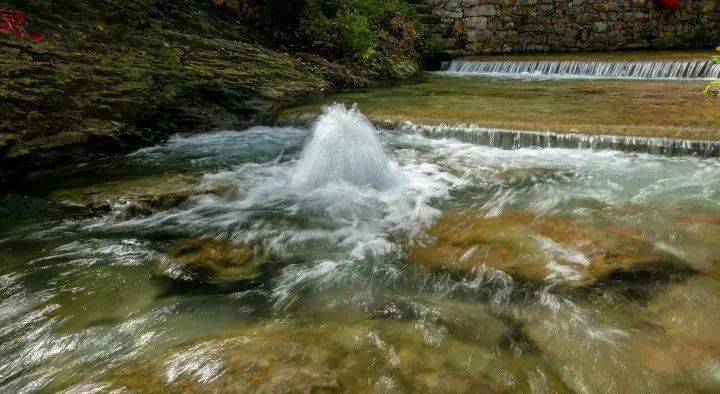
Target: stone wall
x,y
506,26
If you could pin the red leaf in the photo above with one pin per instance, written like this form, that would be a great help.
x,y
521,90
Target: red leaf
x,y
19,17
5,25
14,22
669,4
17,32
36,37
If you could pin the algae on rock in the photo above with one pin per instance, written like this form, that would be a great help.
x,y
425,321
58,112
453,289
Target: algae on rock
x,y
147,194
218,262
540,250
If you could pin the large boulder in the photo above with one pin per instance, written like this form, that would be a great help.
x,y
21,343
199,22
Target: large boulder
x,y
542,250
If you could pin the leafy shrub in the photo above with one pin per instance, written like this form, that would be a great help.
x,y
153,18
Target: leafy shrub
x,y
358,36
430,45
348,28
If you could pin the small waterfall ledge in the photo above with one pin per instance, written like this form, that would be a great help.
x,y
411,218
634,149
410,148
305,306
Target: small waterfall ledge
x,y
514,139
680,70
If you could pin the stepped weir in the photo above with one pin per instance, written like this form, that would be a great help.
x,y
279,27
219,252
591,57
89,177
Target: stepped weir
x,y
681,70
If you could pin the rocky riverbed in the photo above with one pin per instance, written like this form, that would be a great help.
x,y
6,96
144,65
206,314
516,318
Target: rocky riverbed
x,y
264,259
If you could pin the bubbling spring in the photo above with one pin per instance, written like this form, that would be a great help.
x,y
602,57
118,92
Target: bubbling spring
x,y
344,147
681,70
343,191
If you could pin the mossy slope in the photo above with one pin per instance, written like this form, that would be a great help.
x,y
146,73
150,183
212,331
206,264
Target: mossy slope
x,y
116,75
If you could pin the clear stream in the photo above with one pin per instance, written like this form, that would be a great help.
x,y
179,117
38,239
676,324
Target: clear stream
x,y
102,300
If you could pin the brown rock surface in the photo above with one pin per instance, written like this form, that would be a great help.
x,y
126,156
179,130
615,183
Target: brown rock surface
x,y
541,249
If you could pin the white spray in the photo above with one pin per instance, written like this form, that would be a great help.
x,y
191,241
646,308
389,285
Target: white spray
x,y
344,148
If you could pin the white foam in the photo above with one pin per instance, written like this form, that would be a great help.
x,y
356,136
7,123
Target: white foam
x,y
568,69
344,147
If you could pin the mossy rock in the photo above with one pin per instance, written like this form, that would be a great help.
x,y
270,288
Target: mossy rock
x,y
542,250
217,262
314,357
713,88
144,194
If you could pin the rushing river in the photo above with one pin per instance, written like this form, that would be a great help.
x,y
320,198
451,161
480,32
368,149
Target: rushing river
x,y
344,257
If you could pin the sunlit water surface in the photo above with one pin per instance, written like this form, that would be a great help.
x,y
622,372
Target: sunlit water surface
x,y
97,302
660,108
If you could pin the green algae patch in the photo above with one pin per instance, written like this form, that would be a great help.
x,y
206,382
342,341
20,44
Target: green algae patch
x,y
147,194
673,109
218,262
542,249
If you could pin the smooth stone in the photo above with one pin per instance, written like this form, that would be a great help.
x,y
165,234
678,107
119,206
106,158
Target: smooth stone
x,y
688,314
136,196
312,357
542,250
219,262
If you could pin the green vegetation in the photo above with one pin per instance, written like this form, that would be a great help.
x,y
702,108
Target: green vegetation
x,y
357,29
714,87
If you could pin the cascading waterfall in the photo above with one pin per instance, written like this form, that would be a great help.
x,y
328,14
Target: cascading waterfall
x,y
514,139
344,147
685,69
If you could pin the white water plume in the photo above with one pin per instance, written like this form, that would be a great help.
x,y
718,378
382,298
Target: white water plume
x,y
344,147
343,195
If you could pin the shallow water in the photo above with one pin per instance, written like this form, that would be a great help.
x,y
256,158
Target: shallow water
x,y
99,302
659,108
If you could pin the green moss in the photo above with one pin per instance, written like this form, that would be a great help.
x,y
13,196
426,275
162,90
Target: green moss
x,y
147,194
158,67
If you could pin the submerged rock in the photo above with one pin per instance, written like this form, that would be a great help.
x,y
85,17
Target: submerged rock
x,y
687,313
696,237
595,346
137,195
457,318
375,356
669,344
219,262
542,249
524,177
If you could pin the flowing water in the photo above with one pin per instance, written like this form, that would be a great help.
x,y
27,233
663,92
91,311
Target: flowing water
x,y
688,69
637,108
661,65
323,258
